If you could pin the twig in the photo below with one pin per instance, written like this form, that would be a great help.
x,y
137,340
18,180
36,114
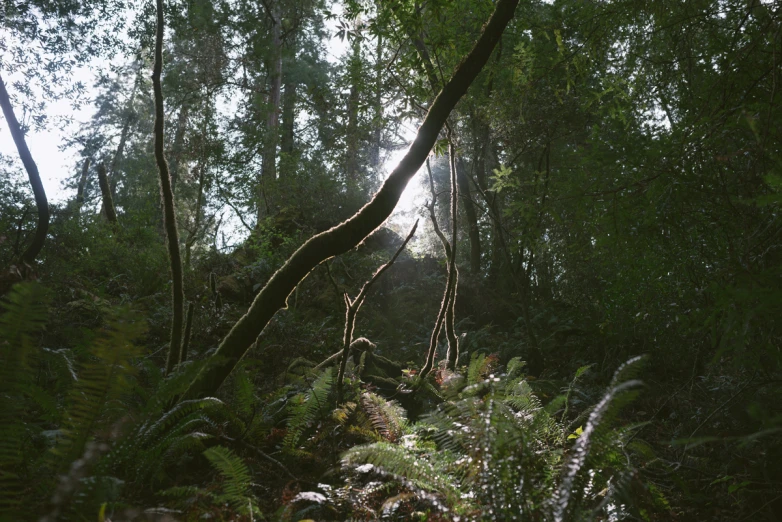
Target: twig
x,y
354,305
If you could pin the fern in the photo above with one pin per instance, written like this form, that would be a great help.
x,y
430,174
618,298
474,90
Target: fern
x,y
102,379
504,450
305,408
574,484
476,368
236,476
387,418
406,465
24,315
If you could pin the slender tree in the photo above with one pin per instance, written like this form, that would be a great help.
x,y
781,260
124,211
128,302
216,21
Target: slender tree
x,y
85,169
167,195
34,248
105,190
271,139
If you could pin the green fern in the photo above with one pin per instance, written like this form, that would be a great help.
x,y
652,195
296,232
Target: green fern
x,y
305,407
387,418
500,452
103,378
592,444
236,476
24,315
424,475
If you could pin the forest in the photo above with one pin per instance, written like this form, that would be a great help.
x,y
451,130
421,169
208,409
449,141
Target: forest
x,y
436,260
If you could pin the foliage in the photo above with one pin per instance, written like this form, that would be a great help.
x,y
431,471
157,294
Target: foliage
x,y
499,455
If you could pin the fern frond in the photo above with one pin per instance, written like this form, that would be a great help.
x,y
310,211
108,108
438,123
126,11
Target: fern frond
x,y
244,393
404,465
569,494
305,407
236,475
388,418
24,314
476,368
102,378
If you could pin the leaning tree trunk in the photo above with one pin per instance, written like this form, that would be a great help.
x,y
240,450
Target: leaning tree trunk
x,y
29,255
351,232
167,194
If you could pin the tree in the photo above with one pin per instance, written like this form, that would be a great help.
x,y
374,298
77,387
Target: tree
x,y
32,250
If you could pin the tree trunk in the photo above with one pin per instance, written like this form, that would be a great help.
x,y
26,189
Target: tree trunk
x,y
108,202
167,194
179,139
377,123
42,204
288,124
85,169
471,215
484,163
123,137
352,138
197,219
351,232
288,119
269,166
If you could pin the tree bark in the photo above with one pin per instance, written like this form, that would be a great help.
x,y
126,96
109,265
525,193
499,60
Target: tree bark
x,y
85,169
179,139
352,138
288,119
445,315
32,251
351,232
188,332
193,236
167,195
288,123
463,183
271,138
108,201
377,123
450,330
483,166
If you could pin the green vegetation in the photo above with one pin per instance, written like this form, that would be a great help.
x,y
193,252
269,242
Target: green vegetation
x,y
582,323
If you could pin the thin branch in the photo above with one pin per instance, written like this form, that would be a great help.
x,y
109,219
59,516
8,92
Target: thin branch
x,y
354,305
